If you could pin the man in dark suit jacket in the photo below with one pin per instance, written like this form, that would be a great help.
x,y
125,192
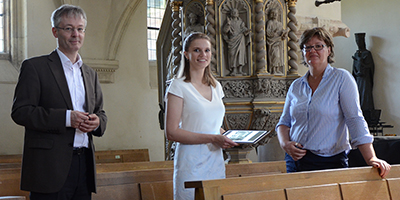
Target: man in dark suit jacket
x,y
58,100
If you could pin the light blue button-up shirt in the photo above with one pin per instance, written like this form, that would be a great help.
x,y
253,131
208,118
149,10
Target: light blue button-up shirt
x,y
321,121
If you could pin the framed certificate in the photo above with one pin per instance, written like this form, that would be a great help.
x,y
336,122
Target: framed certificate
x,y
246,136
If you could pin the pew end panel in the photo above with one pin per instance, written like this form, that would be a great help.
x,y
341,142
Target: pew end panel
x,y
394,185
317,192
267,195
371,190
157,190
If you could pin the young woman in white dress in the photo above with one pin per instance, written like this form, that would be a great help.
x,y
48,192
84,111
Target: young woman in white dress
x,y
194,116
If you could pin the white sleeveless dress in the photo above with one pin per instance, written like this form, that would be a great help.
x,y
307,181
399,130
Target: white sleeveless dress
x,y
200,161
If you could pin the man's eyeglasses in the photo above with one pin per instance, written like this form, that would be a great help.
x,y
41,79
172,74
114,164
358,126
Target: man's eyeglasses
x,y
71,30
317,47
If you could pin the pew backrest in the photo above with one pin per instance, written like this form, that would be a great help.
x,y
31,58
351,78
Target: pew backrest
x,y
10,183
128,155
152,190
215,189
107,156
14,158
129,166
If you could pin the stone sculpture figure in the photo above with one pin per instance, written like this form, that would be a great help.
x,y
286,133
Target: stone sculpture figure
x,y
194,24
363,72
275,36
236,34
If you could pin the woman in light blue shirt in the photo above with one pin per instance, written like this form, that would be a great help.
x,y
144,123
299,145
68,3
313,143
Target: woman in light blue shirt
x,y
321,108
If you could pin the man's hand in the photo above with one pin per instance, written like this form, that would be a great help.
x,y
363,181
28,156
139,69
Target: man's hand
x,y
83,121
90,124
77,118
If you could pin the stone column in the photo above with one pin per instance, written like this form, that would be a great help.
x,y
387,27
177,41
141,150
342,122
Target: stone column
x,y
260,38
292,43
176,36
19,33
210,31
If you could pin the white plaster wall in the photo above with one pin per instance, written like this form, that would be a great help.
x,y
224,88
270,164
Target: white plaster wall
x,y
378,19
325,11
130,103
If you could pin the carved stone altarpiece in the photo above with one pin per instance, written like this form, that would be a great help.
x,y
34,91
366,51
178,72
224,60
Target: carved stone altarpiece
x,y
254,54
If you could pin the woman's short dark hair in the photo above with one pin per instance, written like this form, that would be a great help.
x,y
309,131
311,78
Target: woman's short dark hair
x,y
322,34
208,78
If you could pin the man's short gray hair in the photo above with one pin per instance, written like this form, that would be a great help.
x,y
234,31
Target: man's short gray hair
x,y
67,10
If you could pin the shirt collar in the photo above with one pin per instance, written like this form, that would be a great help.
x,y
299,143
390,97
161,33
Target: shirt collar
x,y
66,61
328,70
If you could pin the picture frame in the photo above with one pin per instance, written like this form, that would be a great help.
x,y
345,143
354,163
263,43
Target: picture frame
x,y
245,136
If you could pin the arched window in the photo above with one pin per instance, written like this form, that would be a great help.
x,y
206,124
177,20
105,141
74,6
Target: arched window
x,y
155,13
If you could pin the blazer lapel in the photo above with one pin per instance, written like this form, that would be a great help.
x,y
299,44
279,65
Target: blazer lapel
x,y
59,75
88,87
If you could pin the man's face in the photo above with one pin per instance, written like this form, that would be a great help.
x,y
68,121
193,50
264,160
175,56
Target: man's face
x,y
70,39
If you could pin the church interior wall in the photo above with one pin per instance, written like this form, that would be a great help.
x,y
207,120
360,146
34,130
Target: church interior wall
x,y
131,102
377,19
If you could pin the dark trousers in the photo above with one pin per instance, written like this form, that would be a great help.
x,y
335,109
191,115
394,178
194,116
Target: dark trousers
x,y
314,162
76,186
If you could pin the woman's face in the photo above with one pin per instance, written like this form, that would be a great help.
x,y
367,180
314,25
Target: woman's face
x,y
313,57
199,54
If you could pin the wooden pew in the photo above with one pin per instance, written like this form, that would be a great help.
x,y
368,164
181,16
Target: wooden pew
x,y
9,165
15,158
127,155
164,189
267,195
317,192
216,189
11,174
128,166
373,189
157,183
394,185
133,181
108,156
10,183
13,198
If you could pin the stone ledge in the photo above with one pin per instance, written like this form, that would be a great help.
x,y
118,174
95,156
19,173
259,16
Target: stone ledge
x,y
104,68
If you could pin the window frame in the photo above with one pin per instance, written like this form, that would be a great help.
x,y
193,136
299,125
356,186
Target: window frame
x,y
155,13
5,54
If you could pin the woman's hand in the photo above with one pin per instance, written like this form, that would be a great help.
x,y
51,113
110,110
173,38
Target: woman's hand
x,y
382,165
368,152
224,142
294,149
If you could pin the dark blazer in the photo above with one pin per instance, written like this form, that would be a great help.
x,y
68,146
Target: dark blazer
x,y
41,100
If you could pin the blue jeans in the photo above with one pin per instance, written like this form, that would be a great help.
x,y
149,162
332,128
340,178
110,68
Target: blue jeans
x,y
314,162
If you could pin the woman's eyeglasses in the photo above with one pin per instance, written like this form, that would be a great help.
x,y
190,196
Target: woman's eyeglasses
x,y
317,47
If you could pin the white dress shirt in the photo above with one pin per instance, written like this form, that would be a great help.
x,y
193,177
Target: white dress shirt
x,y
74,77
